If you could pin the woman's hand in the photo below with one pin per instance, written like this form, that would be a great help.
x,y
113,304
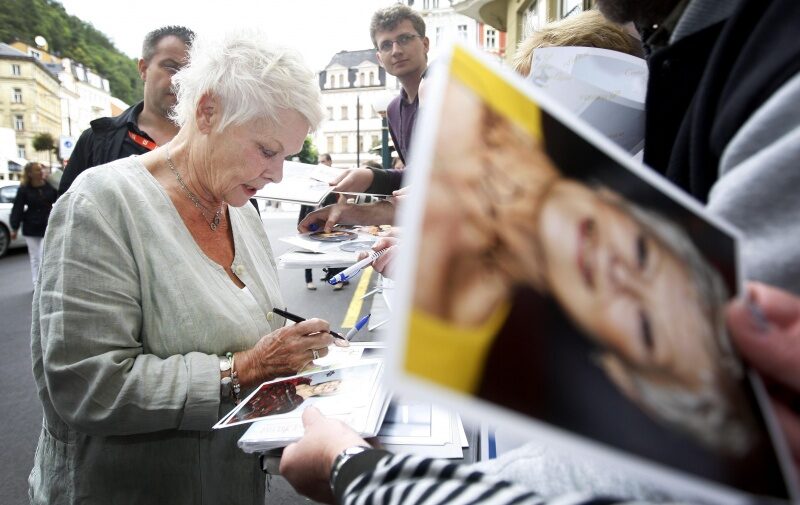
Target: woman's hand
x,y
385,264
13,235
766,329
307,464
283,352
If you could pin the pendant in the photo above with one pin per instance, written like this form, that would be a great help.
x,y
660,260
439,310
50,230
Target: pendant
x,y
215,222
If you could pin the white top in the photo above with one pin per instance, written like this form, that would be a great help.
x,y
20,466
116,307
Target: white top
x,y
129,321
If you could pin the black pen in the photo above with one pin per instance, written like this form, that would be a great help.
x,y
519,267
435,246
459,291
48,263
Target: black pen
x,y
298,319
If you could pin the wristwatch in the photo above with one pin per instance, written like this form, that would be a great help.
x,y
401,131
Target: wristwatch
x,y
225,382
341,459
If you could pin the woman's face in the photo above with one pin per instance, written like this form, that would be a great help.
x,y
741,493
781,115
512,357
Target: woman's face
x,y
245,158
623,286
327,387
36,174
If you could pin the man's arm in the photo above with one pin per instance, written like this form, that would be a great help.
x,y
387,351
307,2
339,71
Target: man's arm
x,y
80,160
758,189
385,181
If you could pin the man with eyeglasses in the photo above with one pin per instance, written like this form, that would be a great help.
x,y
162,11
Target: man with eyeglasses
x,y
398,33
145,125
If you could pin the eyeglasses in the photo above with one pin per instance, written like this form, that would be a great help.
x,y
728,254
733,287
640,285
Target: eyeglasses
x,y
403,40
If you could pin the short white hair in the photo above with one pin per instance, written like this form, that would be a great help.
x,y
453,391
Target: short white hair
x,y
252,78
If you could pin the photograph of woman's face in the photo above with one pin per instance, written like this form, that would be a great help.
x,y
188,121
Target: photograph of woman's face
x,y
623,286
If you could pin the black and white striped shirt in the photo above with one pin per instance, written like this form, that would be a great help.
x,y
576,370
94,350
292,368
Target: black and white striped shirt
x,y
379,477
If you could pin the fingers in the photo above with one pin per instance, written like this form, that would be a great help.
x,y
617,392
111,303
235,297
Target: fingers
x,y
318,352
314,325
310,416
780,307
339,178
313,220
766,330
384,265
383,243
790,423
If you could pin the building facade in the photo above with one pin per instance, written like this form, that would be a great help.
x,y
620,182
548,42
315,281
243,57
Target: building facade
x,y
354,89
518,17
444,24
30,104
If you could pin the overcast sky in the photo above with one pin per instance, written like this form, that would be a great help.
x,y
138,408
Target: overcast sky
x,y
317,28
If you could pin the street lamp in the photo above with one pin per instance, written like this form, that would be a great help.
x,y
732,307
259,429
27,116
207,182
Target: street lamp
x,y
380,104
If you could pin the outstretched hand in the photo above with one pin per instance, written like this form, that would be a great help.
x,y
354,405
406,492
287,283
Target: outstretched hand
x,y
353,180
307,463
766,329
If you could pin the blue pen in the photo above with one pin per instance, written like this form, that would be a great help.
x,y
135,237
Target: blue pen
x,y
352,270
355,329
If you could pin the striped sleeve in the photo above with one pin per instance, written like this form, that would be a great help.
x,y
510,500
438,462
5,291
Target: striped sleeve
x,y
403,479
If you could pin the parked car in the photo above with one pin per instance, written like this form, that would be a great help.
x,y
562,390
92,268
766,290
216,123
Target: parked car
x,y
8,191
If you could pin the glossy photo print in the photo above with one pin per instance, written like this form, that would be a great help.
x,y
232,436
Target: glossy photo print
x,y
553,280
338,391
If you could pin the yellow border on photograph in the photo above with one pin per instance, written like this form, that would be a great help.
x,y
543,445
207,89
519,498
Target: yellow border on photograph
x,y
493,89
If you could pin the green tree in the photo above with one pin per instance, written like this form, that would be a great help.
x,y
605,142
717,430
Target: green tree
x,y
71,37
308,154
45,142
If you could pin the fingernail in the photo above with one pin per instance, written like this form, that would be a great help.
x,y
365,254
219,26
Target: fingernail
x,y
758,319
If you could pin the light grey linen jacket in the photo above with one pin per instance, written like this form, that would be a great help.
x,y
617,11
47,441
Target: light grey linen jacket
x,y
129,320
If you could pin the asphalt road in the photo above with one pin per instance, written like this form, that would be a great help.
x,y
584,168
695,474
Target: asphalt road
x,y
20,411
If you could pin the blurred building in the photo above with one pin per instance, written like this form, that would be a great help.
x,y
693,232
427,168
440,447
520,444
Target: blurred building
x,y
354,89
29,105
517,17
84,94
443,24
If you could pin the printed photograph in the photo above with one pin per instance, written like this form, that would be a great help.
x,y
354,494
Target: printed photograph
x,y
334,392
557,283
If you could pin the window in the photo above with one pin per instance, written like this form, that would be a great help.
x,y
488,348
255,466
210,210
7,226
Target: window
x,y
376,141
491,38
439,31
361,79
372,78
17,96
344,111
21,151
36,54
345,142
330,115
570,7
19,122
15,70
462,32
341,81
8,194
360,111
330,143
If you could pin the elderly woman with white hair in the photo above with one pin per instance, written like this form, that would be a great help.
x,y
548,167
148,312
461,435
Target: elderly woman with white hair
x,y
154,310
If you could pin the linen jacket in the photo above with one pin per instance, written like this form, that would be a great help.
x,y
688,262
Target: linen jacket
x,y
128,324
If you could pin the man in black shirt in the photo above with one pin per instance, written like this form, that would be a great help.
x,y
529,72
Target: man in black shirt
x,y
145,125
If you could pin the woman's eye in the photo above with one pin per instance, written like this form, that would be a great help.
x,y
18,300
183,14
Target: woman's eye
x,y
646,331
267,153
642,251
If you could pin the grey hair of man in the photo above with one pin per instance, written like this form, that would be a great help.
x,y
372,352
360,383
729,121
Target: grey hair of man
x,y
253,78
152,39
386,19
714,415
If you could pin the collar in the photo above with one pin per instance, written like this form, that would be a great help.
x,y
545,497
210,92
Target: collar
x,y
658,36
687,18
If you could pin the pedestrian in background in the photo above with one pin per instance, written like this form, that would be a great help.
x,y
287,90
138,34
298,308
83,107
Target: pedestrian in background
x,y
32,206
